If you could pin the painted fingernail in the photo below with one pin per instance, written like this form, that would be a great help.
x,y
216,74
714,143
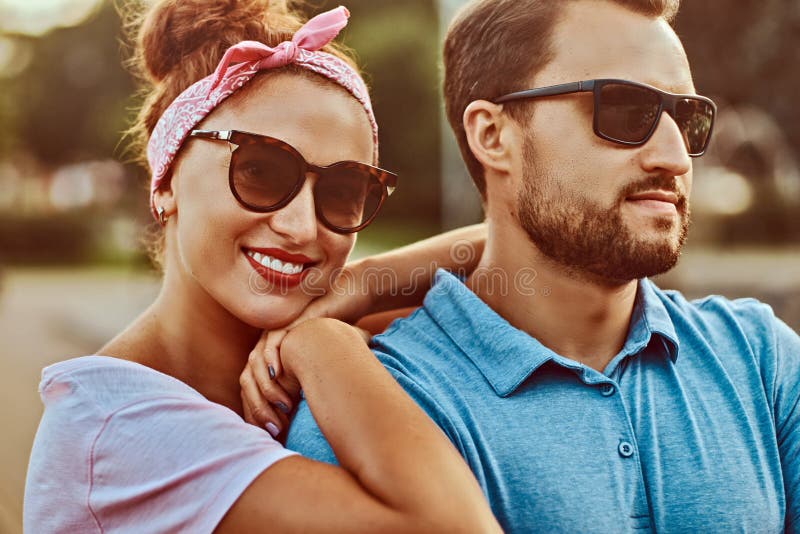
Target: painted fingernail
x,y
282,407
271,371
272,429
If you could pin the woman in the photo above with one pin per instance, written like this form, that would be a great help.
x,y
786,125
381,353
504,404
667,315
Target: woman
x,y
248,120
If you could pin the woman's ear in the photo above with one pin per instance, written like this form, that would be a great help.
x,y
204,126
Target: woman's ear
x,y
490,134
164,197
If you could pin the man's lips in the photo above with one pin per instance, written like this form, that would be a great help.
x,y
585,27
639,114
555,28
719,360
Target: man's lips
x,y
659,202
659,196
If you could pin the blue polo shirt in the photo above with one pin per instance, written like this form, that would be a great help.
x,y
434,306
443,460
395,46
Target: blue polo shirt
x,y
693,426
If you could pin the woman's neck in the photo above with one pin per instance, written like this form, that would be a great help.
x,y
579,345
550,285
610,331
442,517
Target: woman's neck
x,y
186,334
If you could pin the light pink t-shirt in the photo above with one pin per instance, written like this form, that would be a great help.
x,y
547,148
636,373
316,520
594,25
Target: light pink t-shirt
x,y
124,448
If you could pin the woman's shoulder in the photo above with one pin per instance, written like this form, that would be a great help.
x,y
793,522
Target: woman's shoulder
x,y
121,433
105,384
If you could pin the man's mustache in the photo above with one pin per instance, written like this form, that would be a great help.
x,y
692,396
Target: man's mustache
x,y
656,182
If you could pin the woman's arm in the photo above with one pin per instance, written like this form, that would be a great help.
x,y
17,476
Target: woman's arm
x,y
398,278
399,473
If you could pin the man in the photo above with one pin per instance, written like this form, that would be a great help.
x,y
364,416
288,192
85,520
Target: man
x,y
591,400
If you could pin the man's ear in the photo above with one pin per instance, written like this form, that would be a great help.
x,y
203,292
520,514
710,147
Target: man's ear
x,y
490,134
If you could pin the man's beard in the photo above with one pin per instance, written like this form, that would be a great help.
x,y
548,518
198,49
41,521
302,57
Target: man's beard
x,y
589,239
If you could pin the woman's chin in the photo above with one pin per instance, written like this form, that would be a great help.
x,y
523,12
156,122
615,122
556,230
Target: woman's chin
x,y
273,315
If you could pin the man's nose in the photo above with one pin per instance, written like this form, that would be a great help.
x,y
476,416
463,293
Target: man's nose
x,y
667,150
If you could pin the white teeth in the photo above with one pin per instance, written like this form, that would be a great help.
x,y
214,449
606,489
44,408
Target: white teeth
x,y
276,264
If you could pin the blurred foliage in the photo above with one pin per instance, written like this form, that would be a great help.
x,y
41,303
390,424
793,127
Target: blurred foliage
x,y
70,103
64,238
746,52
397,47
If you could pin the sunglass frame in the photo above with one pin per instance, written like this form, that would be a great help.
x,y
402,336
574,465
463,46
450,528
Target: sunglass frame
x,y
237,138
667,102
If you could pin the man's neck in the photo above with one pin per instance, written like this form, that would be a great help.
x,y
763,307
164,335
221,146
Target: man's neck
x,y
570,313
188,335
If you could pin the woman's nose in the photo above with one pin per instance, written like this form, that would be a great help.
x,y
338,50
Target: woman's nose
x,y
297,221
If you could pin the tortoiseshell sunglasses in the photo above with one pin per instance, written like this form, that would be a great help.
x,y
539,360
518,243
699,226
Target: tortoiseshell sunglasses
x,y
265,174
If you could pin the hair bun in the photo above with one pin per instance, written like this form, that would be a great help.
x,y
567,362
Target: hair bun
x,y
178,42
188,37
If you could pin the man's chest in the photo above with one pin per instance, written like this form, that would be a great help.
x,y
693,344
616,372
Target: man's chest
x,y
650,451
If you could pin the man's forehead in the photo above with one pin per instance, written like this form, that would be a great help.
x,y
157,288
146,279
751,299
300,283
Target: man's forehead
x,y
599,39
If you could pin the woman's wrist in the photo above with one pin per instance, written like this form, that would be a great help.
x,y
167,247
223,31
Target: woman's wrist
x,y
313,342
363,276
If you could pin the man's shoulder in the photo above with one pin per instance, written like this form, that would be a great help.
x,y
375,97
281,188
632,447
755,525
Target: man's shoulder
x,y
422,357
416,336
718,311
746,322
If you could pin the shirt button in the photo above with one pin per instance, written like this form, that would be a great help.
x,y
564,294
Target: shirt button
x,y
625,449
607,390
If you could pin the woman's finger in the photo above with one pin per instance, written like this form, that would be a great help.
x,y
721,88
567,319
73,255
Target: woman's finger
x,y
264,415
270,389
271,352
248,416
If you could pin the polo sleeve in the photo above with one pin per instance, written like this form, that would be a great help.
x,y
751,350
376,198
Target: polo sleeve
x,y
787,417
174,464
306,438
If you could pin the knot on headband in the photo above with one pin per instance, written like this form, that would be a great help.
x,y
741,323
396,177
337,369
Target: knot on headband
x,y
314,35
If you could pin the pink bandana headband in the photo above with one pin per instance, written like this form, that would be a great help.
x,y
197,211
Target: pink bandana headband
x,y
248,59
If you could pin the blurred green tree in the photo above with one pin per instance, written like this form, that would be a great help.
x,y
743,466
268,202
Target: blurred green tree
x,y
70,103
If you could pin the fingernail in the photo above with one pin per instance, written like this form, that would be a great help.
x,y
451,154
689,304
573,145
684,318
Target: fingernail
x,y
282,407
271,371
272,429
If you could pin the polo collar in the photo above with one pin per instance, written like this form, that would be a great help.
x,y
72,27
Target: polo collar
x,y
650,316
507,356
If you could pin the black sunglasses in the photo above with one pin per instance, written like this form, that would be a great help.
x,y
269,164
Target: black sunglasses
x,y
627,112
265,174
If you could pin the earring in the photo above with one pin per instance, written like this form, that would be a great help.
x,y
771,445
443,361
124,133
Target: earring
x,y
162,220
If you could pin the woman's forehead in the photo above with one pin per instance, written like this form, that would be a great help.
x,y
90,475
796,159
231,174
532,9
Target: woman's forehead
x,y
315,116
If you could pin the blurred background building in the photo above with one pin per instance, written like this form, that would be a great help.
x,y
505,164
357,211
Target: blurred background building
x,y
73,207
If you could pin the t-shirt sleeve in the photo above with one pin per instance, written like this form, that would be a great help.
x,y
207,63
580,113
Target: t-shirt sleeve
x,y
174,464
787,417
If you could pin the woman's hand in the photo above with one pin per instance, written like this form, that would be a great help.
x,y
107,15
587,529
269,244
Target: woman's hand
x,y
267,401
270,393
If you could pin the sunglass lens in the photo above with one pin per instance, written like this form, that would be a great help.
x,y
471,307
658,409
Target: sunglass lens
x,y
694,118
626,113
263,174
348,195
